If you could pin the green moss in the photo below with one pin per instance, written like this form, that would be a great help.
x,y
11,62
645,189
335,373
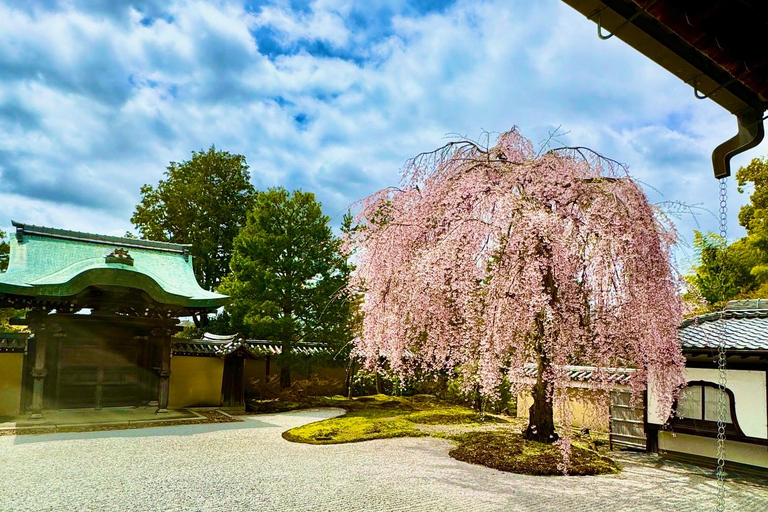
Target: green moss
x,y
381,417
352,428
451,416
508,452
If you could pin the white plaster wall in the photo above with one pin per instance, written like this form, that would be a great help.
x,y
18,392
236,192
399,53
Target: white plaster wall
x,y
748,387
743,453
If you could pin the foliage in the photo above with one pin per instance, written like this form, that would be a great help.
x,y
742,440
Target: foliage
x,y
314,386
365,382
740,270
219,324
485,259
202,201
7,313
458,392
515,454
754,215
289,277
723,272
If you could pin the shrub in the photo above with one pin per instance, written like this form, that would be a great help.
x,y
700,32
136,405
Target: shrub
x,y
270,389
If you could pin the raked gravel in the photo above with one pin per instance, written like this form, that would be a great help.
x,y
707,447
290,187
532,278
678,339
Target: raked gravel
x,y
247,466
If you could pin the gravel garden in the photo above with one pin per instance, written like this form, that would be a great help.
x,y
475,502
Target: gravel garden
x,y
248,465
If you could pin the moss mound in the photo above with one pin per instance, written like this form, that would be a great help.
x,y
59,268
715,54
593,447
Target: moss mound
x,y
381,417
512,453
351,429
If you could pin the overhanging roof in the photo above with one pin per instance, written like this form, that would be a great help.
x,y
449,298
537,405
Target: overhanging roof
x,y
50,264
716,46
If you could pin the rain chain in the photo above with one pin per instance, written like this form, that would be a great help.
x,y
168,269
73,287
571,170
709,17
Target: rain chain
x,y
722,404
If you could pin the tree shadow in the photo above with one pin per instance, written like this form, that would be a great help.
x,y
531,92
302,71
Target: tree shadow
x,y
155,431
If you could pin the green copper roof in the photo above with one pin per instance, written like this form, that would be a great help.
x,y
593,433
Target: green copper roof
x,y
54,263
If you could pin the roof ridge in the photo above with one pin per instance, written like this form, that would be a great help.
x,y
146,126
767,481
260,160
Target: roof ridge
x,y
23,229
727,315
582,368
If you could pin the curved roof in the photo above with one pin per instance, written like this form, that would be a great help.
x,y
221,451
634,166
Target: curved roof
x,y
48,263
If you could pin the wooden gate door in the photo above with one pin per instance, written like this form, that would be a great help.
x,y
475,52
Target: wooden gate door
x,y
98,373
232,392
627,422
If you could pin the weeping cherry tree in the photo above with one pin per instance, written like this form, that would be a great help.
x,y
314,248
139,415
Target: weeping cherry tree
x,y
484,260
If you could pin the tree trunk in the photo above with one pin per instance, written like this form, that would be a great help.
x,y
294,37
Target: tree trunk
x,y
287,353
200,319
541,421
348,379
285,365
285,377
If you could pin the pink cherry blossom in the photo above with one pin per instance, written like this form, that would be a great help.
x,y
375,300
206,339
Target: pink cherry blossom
x,y
486,259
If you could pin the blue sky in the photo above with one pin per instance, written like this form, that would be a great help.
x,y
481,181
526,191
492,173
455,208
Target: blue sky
x,y
330,96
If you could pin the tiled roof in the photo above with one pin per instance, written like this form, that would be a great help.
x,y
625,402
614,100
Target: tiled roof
x,y
220,346
620,376
744,330
48,263
745,323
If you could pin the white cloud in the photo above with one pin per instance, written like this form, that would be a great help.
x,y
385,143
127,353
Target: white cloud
x,y
322,23
332,98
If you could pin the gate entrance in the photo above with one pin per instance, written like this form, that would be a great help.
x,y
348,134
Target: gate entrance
x,y
627,421
99,373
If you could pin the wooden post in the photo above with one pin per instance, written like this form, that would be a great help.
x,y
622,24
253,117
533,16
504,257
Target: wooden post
x,y
164,373
38,373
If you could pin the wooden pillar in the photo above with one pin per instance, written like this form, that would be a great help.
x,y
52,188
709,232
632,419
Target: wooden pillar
x,y
164,373
38,374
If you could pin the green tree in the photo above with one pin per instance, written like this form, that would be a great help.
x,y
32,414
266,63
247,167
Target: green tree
x,y
203,202
6,313
754,215
723,272
289,277
739,270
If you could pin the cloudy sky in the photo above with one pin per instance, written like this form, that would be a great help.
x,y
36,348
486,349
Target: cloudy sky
x,y
330,96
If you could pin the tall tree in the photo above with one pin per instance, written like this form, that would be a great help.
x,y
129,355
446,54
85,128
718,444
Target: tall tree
x,y
486,259
289,278
202,201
